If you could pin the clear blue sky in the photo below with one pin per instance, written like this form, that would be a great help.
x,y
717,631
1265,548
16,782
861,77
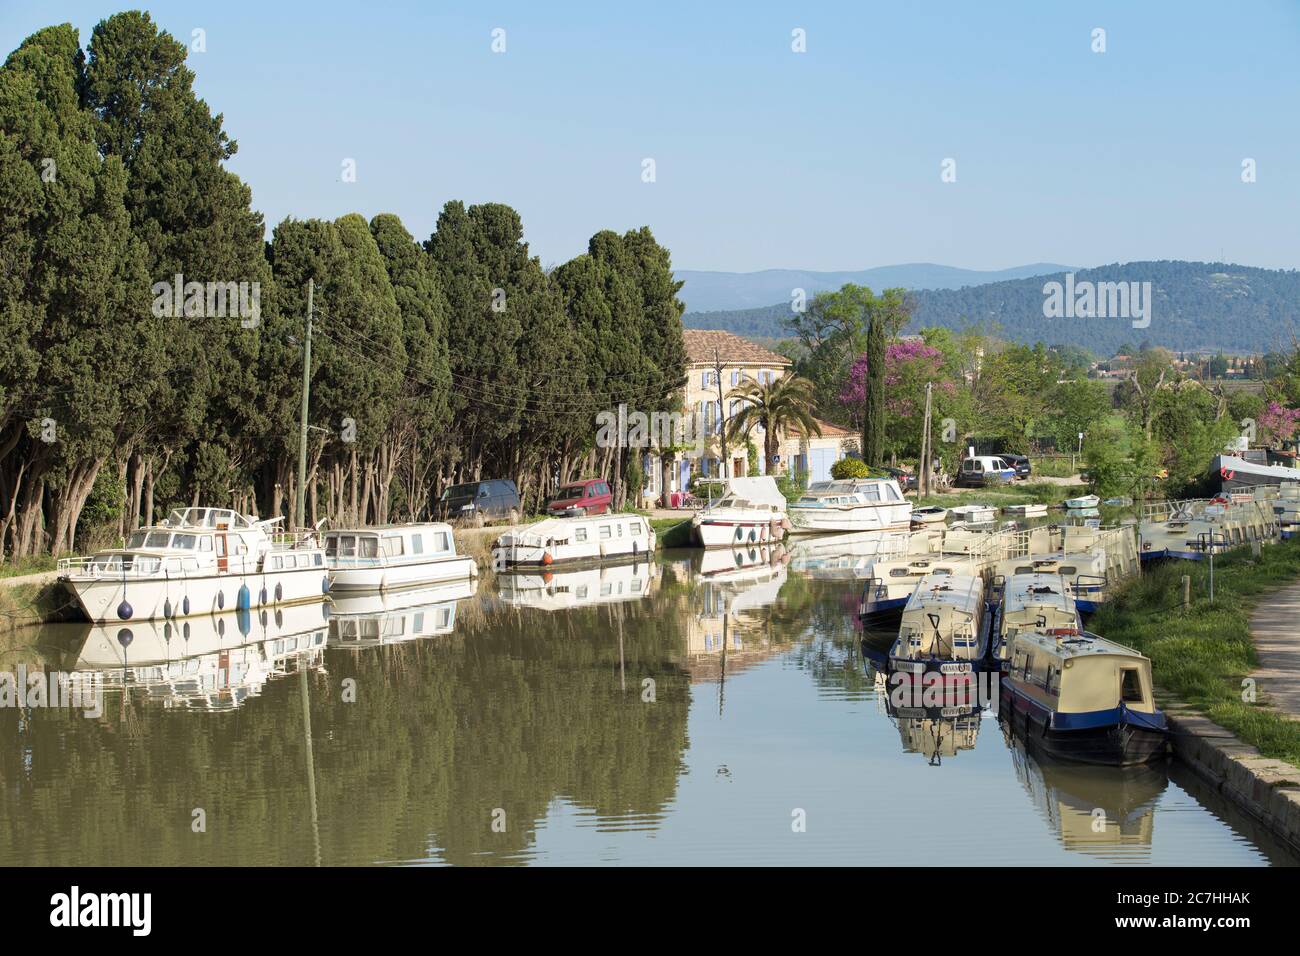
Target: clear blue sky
x,y
766,158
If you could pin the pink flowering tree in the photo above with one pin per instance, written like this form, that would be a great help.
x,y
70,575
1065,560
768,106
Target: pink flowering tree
x,y
1278,424
908,366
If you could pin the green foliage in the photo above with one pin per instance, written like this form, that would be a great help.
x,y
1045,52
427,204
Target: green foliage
x,y
1203,653
850,468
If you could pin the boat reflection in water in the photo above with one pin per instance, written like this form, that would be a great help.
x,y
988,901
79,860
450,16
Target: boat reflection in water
x,y
729,622
1103,812
206,663
566,589
846,557
390,617
936,731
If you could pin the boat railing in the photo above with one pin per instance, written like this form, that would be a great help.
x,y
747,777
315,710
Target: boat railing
x,y
294,540
147,566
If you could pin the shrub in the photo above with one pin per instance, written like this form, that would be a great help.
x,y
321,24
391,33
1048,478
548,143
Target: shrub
x,y
850,468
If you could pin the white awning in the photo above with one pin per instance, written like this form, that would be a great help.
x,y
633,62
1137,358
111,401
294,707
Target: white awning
x,y
759,491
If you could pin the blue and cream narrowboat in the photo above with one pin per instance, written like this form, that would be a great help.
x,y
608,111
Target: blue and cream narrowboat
x,y
1082,697
944,628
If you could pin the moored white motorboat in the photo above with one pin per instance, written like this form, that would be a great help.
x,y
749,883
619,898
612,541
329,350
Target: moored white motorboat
x,y
859,504
394,556
751,511
593,539
931,514
198,561
1085,501
1028,510
974,514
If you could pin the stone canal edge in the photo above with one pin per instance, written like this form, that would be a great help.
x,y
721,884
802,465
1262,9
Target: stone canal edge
x,y
1266,788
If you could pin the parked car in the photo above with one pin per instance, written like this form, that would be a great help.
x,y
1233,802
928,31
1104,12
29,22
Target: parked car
x,y
480,501
591,496
983,471
1019,462
906,480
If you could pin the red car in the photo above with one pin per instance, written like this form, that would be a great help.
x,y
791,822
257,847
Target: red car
x,y
590,496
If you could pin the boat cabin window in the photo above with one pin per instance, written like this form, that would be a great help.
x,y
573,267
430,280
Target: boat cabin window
x,y
205,543
1024,571
1130,685
136,540
581,534
157,539
605,532
807,500
185,542
393,547
899,572
347,545
417,544
870,493
1069,570
331,545
368,547
441,542
636,527
319,559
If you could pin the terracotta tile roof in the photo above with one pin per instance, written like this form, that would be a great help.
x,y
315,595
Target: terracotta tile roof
x,y
834,431
732,349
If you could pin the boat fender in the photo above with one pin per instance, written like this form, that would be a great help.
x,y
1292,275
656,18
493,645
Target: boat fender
x,y
740,533
221,600
546,558
125,637
786,524
243,599
261,598
279,591
185,631
221,627
124,610
167,632
167,608
325,585
753,535
185,608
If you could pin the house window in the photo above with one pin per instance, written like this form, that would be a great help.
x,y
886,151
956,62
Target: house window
x,y
735,377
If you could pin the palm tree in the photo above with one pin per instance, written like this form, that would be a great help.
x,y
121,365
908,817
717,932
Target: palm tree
x,y
783,405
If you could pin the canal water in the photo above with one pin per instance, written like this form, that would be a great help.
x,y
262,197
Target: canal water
x,y
701,709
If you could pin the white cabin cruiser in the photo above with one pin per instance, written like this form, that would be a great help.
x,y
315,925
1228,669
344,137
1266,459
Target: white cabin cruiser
x,y
751,511
974,514
595,539
394,556
198,561
858,504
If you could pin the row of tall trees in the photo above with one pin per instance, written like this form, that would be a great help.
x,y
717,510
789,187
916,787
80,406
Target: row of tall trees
x,y
432,362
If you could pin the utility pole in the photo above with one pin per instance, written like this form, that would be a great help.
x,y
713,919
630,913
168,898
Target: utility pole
x,y
302,434
923,467
722,414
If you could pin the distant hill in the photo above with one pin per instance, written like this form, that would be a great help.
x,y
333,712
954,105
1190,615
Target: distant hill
x,y
709,291
1196,306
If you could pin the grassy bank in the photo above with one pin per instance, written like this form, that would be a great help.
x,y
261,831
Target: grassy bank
x,y
25,604
672,532
1201,654
24,566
